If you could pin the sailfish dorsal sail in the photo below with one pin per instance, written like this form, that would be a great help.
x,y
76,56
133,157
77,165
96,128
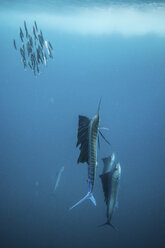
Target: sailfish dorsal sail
x,y
83,139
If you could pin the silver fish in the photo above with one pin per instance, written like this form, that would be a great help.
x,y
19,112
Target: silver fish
x,y
36,25
110,183
14,43
34,33
58,178
26,29
50,45
21,34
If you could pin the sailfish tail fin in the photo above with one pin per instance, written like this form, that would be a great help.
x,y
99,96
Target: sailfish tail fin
x,y
89,196
109,224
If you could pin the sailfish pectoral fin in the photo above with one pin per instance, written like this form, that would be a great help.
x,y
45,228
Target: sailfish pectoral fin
x,y
104,138
104,128
89,196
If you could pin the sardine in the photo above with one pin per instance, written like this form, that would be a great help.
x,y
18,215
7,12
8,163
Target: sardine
x,y
50,45
14,43
26,30
36,25
58,178
21,34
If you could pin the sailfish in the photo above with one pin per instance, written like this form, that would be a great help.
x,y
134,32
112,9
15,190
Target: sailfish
x,y
87,140
110,179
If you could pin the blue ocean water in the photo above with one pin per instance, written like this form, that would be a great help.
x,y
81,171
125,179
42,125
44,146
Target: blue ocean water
x,y
101,49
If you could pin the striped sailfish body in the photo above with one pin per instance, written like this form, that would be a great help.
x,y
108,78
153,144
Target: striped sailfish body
x,y
87,139
92,162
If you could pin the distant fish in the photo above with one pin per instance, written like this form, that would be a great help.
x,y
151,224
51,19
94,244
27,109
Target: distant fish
x,y
33,62
24,63
42,37
47,47
45,55
14,43
26,29
38,56
50,55
22,52
110,182
45,61
40,40
50,45
29,65
58,178
34,33
21,34
36,25
38,69
28,48
30,40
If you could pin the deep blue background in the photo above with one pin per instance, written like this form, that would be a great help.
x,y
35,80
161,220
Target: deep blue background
x,y
38,134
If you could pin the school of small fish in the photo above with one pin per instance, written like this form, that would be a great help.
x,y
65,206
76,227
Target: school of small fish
x,y
34,49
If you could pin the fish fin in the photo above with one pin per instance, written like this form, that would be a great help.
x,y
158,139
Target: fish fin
x,y
89,195
104,137
109,224
92,199
83,138
104,128
108,163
